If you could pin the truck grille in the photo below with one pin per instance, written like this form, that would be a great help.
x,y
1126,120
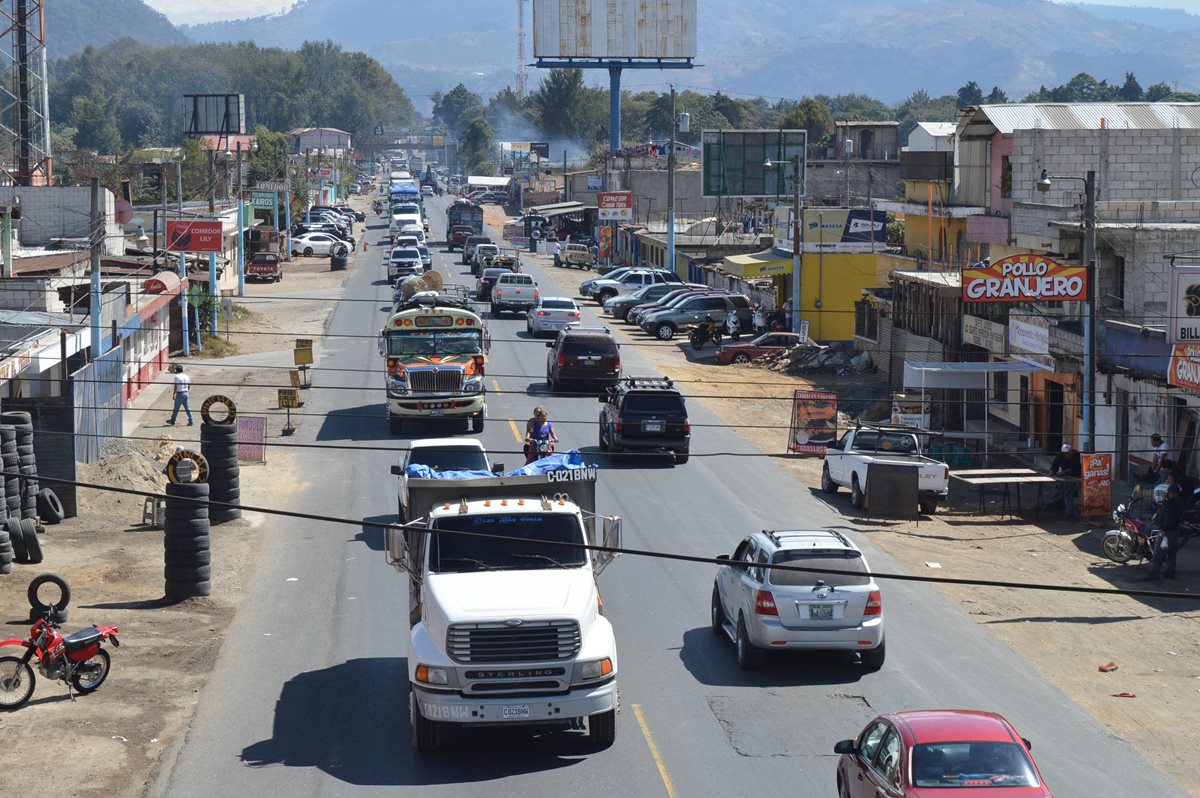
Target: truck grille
x,y
531,641
439,381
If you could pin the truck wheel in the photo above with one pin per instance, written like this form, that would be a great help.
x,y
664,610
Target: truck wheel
x,y
681,456
477,423
602,729
856,494
426,734
827,483
928,508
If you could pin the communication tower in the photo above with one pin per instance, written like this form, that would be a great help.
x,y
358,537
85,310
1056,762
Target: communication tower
x,y
24,95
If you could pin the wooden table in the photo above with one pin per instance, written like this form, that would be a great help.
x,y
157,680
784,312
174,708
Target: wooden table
x,y
1006,478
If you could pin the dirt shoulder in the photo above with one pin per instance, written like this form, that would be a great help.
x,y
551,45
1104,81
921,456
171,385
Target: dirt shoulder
x,y
1065,636
113,562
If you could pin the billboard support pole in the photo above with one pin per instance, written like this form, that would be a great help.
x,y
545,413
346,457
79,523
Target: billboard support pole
x,y
796,244
614,109
1089,319
671,188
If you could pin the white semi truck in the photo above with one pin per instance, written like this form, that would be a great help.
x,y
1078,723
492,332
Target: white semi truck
x,y
507,625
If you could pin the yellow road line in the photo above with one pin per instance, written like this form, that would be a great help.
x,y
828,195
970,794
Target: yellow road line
x,y
511,424
658,762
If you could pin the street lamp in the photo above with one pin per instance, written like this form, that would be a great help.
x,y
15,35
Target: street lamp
x,y
1044,183
767,164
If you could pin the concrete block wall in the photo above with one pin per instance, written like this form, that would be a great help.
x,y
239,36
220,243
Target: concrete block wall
x,y
28,293
51,212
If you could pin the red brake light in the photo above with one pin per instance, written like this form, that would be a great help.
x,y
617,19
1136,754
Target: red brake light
x,y
562,360
764,603
874,604
617,362
574,314
687,428
543,313
620,425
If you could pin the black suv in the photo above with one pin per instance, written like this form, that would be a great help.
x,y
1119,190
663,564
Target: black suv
x,y
644,414
583,354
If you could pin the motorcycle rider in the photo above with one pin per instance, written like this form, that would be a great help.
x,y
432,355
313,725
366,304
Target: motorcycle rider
x,y
1162,565
538,430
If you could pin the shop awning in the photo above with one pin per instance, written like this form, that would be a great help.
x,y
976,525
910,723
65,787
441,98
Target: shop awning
x,y
488,182
757,265
557,209
968,376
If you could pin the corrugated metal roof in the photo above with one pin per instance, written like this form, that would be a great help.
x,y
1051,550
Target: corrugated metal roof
x,y
940,279
984,120
937,128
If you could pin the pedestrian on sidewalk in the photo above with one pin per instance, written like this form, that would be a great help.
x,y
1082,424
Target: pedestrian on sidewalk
x,y
183,385
787,314
557,250
1159,456
760,320
1068,465
1166,550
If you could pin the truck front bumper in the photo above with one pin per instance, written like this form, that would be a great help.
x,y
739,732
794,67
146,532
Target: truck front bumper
x,y
581,702
438,406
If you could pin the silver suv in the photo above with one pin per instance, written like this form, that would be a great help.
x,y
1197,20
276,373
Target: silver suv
x,y
712,306
767,609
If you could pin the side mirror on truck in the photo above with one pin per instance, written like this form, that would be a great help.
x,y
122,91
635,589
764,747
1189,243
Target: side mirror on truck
x,y
394,548
397,471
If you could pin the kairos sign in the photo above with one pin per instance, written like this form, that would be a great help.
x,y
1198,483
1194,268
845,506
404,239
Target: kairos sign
x,y
1024,278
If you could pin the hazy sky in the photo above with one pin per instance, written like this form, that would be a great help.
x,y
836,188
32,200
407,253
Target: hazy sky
x,y
191,11
187,12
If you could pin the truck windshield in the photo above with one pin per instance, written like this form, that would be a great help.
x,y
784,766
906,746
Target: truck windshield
x,y
535,549
400,344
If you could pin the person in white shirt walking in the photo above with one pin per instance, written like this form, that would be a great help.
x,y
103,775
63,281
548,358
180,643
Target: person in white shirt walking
x,y
557,253
183,385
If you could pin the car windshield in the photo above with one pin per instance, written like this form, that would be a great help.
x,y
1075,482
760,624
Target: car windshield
x,y
537,534
401,344
972,764
653,404
449,458
588,347
851,562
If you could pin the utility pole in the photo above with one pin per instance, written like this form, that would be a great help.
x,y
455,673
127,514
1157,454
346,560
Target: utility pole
x,y
671,188
871,206
1089,309
212,183
95,240
847,146
796,242
184,307
162,196
241,251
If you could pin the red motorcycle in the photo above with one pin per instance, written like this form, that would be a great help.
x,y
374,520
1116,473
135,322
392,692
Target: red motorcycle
x,y
538,448
78,661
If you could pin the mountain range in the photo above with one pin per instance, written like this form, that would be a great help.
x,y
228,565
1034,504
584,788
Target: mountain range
x,y
885,49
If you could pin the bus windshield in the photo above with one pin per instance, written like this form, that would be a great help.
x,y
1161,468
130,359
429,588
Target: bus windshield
x,y
429,342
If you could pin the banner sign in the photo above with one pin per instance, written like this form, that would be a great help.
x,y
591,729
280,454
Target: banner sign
x,y
1096,498
814,422
1024,278
1185,367
843,230
252,439
1029,339
541,149
194,236
615,206
607,245
984,333
1184,305
262,200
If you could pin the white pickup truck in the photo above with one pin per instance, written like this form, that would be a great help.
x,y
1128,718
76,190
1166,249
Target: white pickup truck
x,y
847,462
506,623
514,292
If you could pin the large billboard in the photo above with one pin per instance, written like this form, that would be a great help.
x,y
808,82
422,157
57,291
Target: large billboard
x,y
1024,278
752,163
199,236
1185,305
844,230
615,206
601,29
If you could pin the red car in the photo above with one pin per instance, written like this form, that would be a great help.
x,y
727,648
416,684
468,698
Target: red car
x,y
764,344
938,752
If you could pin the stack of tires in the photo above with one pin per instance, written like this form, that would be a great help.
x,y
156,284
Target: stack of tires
x,y
23,537
26,459
219,445
6,552
12,466
187,554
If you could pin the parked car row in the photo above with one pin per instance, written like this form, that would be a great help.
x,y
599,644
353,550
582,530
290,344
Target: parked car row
x,y
667,306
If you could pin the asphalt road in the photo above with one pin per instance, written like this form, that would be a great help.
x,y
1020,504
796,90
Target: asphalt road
x,y
309,696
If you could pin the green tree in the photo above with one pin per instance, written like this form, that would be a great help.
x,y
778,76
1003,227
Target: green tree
x,y
94,118
920,107
477,143
458,108
857,108
996,96
1157,93
811,115
270,160
1131,90
970,94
